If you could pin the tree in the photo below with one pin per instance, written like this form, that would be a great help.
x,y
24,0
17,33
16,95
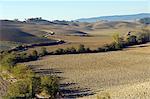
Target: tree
x,y
49,84
59,51
131,40
36,85
19,89
8,61
22,72
71,50
88,49
143,37
23,57
29,87
34,55
81,48
117,41
43,51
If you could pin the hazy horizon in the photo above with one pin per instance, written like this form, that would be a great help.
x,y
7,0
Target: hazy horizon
x,y
70,10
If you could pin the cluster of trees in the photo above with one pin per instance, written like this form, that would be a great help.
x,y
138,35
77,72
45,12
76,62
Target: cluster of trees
x,y
117,44
142,37
122,42
24,82
145,20
72,50
9,59
31,87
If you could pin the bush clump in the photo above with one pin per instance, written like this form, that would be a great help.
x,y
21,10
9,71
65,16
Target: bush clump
x,y
8,61
19,89
43,51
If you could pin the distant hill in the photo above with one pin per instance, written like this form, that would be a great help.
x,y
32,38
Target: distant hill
x,y
116,18
114,25
37,21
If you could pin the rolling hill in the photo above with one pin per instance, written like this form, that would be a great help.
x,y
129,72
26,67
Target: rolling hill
x,y
16,35
132,17
25,32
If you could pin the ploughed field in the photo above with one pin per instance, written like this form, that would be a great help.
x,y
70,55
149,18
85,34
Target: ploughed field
x,y
123,74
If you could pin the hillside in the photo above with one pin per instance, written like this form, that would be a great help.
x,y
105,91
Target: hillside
x,y
11,37
132,17
122,74
16,35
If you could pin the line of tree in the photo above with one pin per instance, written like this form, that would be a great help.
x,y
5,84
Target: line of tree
x,y
117,44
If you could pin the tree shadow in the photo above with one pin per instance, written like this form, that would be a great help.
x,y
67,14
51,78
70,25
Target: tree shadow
x,y
38,70
67,90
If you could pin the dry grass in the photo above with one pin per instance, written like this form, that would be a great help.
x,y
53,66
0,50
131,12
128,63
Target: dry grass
x,y
102,71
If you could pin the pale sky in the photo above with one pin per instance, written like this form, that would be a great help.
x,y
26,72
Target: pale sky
x,y
70,9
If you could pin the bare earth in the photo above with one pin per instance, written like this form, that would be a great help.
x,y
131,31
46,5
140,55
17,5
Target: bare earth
x,y
122,74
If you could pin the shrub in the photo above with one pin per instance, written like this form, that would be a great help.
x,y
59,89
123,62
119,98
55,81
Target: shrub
x,y
22,72
144,36
43,51
19,89
106,47
71,50
59,51
81,48
50,85
131,40
88,49
8,61
100,49
117,42
36,85
23,57
29,87
34,55
110,47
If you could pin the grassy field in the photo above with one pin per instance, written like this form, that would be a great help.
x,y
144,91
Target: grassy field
x,y
124,74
